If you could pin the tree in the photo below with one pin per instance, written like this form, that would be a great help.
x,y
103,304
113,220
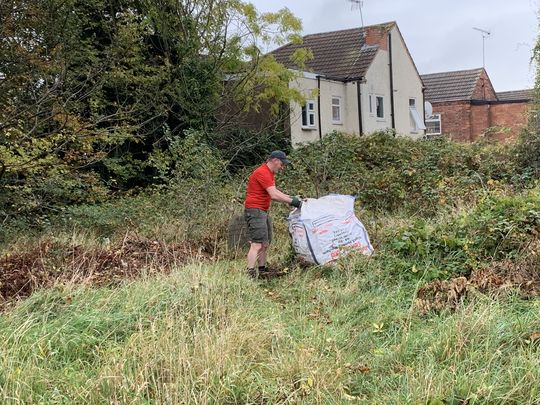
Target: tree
x,y
93,93
527,149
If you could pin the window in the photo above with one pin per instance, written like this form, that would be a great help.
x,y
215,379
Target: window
x,y
336,110
417,124
433,124
370,104
379,106
308,114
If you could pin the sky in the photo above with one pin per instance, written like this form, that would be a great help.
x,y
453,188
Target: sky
x,y
439,33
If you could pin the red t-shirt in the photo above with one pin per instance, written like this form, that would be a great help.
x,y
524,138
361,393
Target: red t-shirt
x,y
259,181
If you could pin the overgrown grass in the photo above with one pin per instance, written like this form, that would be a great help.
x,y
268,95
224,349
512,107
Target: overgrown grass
x,y
208,334
351,333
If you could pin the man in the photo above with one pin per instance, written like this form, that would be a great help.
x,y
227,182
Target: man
x,y
261,190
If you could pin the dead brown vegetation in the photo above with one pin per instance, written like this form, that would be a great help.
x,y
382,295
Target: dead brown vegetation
x,y
52,262
498,278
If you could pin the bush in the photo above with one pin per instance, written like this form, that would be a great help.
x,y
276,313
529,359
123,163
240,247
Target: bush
x,y
388,173
527,150
195,204
500,227
385,173
242,148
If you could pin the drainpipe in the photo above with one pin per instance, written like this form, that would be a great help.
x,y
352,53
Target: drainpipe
x,y
359,95
424,107
319,105
391,81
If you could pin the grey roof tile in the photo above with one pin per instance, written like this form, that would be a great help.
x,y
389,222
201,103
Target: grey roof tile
x,y
451,86
515,95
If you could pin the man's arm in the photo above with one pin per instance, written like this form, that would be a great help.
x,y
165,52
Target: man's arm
x,y
277,195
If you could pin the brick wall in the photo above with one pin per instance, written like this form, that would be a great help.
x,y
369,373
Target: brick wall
x,y
483,89
462,121
231,116
455,119
377,35
480,120
512,117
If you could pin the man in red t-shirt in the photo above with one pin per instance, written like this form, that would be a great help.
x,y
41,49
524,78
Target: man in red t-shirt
x,y
261,190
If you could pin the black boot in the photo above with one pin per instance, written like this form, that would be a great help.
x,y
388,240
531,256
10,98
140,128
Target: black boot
x,y
265,272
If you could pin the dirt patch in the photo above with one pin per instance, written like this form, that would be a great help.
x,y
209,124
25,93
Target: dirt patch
x,y
498,278
51,262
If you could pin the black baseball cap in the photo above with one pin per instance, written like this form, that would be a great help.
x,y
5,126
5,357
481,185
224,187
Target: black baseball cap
x,y
279,154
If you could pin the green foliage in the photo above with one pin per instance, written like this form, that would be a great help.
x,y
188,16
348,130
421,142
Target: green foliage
x,y
195,159
500,227
97,95
244,148
196,202
527,149
389,173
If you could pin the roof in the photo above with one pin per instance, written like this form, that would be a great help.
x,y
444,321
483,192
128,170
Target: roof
x,y
451,86
339,55
515,95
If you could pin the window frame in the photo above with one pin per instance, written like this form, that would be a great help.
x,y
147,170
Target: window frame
x,y
379,102
430,120
308,115
338,105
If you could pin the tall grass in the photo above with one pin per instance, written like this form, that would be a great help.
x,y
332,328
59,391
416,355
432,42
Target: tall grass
x,y
207,334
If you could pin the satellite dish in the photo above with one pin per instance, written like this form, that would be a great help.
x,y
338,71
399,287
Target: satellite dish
x,y
428,109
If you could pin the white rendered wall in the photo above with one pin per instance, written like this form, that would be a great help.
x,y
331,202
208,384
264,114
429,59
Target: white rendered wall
x,y
328,89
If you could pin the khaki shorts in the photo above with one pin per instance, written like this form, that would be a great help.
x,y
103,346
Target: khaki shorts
x,y
259,225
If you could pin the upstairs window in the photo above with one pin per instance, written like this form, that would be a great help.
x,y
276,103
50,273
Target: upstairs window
x,y
308,114
379,106
336,110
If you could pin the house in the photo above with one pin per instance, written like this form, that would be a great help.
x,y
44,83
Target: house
x,y
359,81
466,106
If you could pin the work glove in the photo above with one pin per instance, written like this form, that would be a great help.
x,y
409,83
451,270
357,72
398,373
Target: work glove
x,y
296,202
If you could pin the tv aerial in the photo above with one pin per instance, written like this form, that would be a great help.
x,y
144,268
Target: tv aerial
x,y
485,34
358,4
